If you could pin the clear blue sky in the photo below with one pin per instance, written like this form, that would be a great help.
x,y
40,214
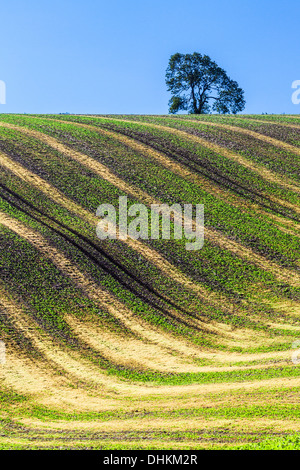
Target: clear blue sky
x,y
110,56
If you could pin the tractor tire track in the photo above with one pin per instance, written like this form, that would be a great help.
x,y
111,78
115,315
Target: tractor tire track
x,y
90,288
282,274
125,272
203,180
258,169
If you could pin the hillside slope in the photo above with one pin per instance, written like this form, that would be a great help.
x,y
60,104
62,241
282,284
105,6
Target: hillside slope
x,y
141,343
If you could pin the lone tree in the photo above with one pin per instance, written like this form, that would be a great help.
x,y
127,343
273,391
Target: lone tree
x,y
198,85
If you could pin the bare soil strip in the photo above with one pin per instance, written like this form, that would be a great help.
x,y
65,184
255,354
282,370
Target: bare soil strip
x,y
101,170
174,423
46,188
71,362
150,254
181,170
74,365
117,309
254,134
258,169
214,236
277,123
94,291
133,352
151,349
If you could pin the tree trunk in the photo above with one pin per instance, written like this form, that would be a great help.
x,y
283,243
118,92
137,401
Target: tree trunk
x,y
194,102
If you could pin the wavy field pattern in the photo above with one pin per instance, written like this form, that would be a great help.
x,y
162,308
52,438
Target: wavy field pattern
x,y
141,344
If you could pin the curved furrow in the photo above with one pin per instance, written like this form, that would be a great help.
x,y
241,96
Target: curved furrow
x,y
191,174
115,307
89,287
282,274
151,255
277,123
258,169
76,367
53,361
214,176
217,178
256,135
210,327
188,319
137,353
119,276
134,344
208,297
84,282
132,351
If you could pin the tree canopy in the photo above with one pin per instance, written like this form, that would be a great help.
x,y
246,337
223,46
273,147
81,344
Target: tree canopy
x,y
198,85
